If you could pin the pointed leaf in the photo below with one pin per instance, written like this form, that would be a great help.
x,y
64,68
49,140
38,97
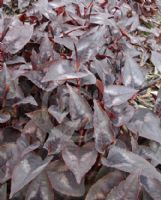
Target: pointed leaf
x,y
157,107
115,95
102,129
156,60
79,107
26,170
59,137
103,186
151,152
59,116
41,119
79,159
40,188
4,117
63,180
132,75
17,37
123,114
128,189
62,70
146,124
23,3
103,19
3,191
8,158
27,100
127,161
152,186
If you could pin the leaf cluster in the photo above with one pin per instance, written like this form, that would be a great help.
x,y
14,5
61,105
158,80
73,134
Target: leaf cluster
x,y
75,120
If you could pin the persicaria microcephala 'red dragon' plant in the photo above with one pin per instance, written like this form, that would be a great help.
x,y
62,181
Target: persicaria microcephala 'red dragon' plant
x,y
80,100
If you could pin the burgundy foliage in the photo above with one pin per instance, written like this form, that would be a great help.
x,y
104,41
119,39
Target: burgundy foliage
x,y
71,73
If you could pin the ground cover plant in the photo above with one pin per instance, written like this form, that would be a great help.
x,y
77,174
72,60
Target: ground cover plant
x,y
80,100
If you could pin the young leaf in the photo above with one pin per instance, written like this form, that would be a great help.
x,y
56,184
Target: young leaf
x,y
79,159
102,128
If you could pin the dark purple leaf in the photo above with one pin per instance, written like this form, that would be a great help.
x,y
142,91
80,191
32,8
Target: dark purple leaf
x,y
146,196
132,75
27,100
123,114
127,161
36,78
79,159
104,71
41,119
146,124
8,84
128,189
44,8
115,95
3,192
26,170
17,37
30,148
8,157
103,19
156,60
102,129
157,107
40,188
89,79
152,152
89,45
59,137
4,117
74,77
152,186
103,186
46,50
62,70
58,115
23,3
79,107
63,181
